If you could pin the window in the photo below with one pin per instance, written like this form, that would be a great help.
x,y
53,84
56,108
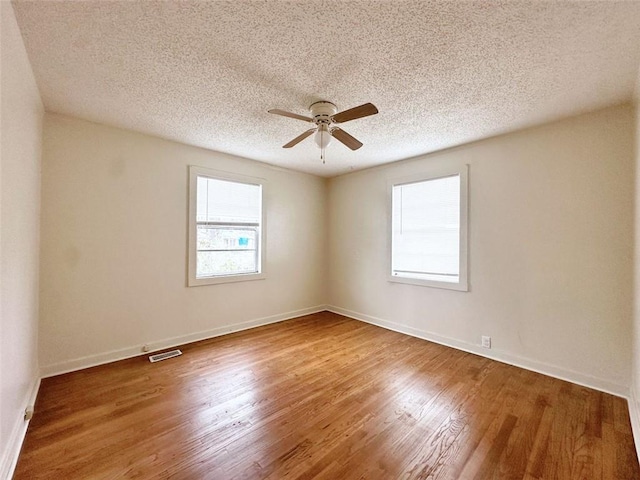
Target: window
x,y
429,230
226,240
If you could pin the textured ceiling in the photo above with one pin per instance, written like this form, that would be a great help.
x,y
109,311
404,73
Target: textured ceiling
x,y
441,73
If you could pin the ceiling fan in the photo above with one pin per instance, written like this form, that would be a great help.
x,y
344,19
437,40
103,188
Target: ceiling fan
x,y
324,115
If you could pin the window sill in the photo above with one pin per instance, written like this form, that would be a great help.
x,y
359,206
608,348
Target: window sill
x,y
458,286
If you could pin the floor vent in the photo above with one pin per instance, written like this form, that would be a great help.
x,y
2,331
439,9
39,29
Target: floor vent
x,y
163,356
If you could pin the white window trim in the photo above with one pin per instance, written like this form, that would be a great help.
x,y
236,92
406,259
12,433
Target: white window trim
x,y
192,280
432,174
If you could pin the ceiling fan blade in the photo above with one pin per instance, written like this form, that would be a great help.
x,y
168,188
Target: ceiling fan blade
x,y
355,112
299,138
290,115
345,138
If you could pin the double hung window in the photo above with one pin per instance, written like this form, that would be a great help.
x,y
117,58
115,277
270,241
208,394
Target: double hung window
x,y
226,238
429,229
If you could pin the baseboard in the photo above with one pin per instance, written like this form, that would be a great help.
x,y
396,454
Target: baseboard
x,y
517,361
11,450
134,351
634,415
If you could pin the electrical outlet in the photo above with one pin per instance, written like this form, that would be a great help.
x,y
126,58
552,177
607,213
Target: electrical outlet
x,y
486,342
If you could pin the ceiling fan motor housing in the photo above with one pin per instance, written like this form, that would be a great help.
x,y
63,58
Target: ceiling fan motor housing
x,y
322,112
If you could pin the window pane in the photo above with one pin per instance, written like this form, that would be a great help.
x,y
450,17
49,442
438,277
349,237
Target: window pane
x,y
226,238
225,201
426,229
212,263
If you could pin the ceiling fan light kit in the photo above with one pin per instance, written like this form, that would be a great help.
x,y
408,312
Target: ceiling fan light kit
x,y
324,115
322,136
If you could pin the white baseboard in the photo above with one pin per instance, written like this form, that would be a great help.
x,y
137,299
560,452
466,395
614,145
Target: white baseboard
x,y
526,363
634,415
134,351
11,451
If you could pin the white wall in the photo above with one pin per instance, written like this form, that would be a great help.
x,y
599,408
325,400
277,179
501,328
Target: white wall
x,y
21,132
114,246
551,242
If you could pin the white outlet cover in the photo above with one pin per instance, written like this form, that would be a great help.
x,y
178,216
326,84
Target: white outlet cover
x,y
486,342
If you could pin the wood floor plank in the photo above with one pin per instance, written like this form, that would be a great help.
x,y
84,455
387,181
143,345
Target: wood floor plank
x,y
323,397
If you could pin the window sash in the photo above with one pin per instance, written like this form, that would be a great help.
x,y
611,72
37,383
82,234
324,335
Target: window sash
x,y
428,235
247,227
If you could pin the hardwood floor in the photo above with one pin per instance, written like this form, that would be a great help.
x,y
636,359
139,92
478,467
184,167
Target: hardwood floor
x,y
323,397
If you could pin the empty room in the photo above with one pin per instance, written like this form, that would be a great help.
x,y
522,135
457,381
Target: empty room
x,y
319,240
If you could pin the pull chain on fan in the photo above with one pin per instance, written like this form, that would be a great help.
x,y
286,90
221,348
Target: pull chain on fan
x,y
323,115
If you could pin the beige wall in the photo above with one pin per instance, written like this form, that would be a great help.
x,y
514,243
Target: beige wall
x,y
21,133
634,398
114,240
550,242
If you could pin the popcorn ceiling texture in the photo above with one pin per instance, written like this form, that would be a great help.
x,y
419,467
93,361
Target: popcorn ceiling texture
x,y
441,73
